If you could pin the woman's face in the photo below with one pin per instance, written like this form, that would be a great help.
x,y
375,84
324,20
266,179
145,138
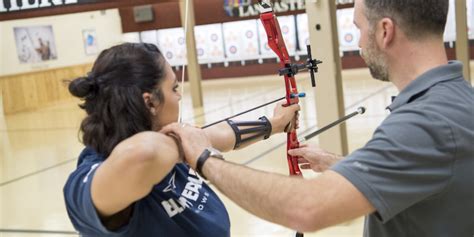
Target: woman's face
x,y
168,110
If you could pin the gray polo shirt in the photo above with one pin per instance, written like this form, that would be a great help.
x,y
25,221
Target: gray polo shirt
x,y
418,168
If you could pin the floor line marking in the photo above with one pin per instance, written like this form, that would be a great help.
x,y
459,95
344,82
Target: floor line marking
x,y
28,231
37,172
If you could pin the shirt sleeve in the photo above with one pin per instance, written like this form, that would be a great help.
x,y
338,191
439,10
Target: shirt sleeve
x,y
81,210
409,158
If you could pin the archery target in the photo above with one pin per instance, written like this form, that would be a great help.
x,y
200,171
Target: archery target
x,y
240,40
172,43
210,43
149,37
348,33
303,33
265,50
288,30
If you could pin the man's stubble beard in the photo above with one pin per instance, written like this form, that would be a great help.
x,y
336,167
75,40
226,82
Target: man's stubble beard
x,y
375,60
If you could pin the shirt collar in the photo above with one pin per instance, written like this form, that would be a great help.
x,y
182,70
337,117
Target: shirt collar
x,y
425,81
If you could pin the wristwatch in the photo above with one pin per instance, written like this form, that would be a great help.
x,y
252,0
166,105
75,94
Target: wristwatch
x,y
208,152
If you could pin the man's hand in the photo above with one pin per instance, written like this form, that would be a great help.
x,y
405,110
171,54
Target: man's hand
x,y
193,140
314,158
282,116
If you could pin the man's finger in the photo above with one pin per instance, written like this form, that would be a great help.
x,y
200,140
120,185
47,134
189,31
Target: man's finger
x,y
297,152
173,127
302,160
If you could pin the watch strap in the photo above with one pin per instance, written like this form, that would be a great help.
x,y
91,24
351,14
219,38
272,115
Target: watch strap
x,y
200,162
208,152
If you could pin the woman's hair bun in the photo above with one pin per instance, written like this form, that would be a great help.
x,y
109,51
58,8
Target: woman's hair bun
x,y
82,87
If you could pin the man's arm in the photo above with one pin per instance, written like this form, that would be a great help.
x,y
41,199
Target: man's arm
x,y
303,205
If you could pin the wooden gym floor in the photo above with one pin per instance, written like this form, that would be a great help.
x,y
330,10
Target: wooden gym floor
x,y
38,150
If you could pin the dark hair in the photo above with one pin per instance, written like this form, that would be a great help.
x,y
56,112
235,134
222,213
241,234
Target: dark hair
x,y
112,94
417,18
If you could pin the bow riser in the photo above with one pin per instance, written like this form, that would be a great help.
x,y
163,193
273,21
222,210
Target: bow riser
x,y
292,143
277,43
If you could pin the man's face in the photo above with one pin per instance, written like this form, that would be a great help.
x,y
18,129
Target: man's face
x,y
370,51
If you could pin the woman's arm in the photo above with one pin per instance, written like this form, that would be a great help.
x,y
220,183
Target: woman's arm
x,y
222,136
130,172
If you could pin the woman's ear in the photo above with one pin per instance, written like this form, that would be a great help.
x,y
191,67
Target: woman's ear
x,y
148,100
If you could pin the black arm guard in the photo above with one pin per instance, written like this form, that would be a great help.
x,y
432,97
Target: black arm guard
x,y
261,127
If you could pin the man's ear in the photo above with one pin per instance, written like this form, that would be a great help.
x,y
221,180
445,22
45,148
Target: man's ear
x,y
387,32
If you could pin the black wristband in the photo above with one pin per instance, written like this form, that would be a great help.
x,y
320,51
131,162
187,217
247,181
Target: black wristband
x,y
268,127
200,162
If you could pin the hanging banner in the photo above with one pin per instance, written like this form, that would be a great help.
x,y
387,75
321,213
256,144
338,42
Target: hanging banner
x,y
245,8
14,5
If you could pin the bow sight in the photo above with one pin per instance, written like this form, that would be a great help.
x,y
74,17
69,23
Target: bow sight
x,y
311,65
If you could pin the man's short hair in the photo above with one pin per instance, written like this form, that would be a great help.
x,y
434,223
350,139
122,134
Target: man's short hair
x,y
417,18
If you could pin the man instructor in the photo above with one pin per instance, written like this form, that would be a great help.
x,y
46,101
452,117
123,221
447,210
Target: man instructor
x,y
413,178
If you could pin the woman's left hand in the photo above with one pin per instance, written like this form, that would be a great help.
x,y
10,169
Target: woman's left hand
x,y
282,116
